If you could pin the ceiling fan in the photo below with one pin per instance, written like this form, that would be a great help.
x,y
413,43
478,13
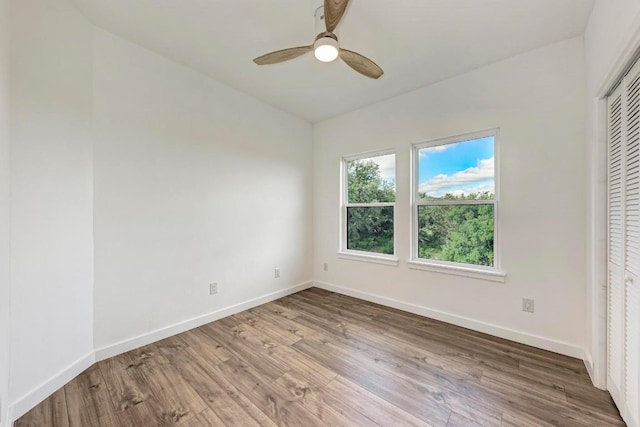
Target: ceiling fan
x,y
325,47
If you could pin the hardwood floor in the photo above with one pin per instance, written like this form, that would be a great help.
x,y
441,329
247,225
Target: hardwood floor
x,y
319,358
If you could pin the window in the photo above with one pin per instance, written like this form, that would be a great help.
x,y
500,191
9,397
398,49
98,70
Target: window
x,y
368,208
455,202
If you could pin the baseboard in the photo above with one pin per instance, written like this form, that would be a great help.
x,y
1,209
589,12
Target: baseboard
x,y
465,322
162,333
44,390
588,363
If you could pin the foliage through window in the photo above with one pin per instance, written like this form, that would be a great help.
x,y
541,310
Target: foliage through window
x,y
455,200
369,202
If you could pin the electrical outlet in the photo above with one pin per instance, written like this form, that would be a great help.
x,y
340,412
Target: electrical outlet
x,y
527,305
325,266
276,273
213,288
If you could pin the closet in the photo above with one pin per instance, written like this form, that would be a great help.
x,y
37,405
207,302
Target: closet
x,y
623,199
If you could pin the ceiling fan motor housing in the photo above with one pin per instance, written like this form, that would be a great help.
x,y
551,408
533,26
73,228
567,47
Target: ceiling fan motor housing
x,y
325,47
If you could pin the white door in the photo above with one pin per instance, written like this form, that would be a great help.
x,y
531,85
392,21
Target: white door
x,y
632,245
623,335
615,292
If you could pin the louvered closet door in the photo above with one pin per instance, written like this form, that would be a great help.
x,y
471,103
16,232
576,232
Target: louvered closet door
x,y
632,246
623,371
615,294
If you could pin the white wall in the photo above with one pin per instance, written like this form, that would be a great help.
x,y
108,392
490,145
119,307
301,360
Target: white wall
x,y
537,100
194,183
610,28
5,194
51,177
610,38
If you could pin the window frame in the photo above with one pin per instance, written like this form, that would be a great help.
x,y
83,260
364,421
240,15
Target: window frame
x,y
352,254
492,273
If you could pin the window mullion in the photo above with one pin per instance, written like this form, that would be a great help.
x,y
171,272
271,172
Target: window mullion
x,y
370,205
455,202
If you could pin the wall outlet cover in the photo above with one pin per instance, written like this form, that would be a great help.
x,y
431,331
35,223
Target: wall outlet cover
x,y
527,305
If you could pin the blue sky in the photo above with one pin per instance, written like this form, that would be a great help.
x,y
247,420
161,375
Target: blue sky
x,y
460,168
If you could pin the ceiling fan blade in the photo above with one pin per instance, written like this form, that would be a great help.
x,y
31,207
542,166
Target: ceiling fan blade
x,y
282,55
361,64
333,11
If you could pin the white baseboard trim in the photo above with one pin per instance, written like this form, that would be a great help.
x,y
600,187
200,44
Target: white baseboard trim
x,y
465,322
588,363
25,403
108,351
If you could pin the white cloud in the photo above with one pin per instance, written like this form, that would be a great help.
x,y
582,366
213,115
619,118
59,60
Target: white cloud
x,y
471,180
434,149
387,165
422,153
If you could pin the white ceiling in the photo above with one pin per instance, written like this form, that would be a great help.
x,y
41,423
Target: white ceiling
x,y
416,42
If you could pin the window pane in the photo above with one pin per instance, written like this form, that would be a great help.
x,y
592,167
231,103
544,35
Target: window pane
x,y
457,233
462,170
370,229
372,180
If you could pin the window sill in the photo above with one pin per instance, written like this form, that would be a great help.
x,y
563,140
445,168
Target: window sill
x,y
376,259
476,273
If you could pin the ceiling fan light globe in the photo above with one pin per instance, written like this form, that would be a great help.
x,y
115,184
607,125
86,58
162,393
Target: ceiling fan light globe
x,y
325,49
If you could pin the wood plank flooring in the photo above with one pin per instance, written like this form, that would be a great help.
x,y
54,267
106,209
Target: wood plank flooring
x,y
320,358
